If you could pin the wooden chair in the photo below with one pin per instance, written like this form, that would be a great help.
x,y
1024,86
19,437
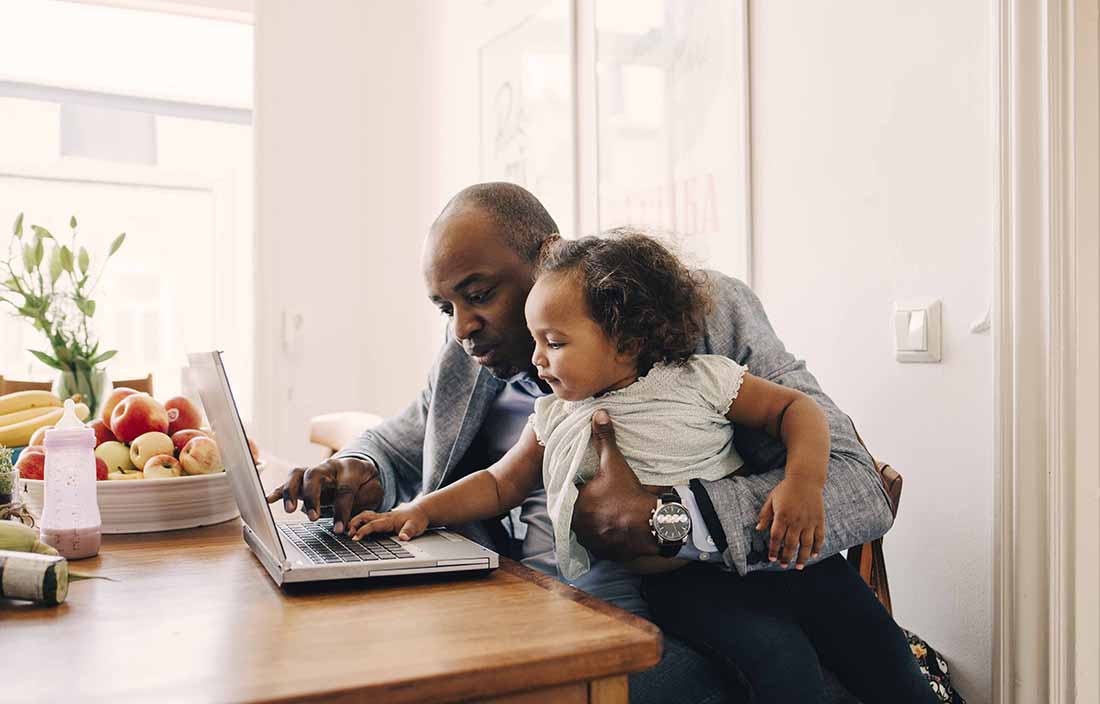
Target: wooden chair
x,y
869,558
334,431
10,386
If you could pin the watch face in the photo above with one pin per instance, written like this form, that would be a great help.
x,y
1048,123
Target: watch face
x,y
672,523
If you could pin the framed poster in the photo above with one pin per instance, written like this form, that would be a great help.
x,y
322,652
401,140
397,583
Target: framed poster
x,y
527,106
672,125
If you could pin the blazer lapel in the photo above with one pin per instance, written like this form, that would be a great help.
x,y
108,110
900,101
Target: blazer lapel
x,y
463,396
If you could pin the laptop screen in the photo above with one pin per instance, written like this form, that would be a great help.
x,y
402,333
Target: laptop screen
x,y
209,375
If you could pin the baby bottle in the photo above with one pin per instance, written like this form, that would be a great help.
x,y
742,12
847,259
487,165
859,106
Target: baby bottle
x,y
70,516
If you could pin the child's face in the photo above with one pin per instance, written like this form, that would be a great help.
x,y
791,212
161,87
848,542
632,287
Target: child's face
x,y
572,352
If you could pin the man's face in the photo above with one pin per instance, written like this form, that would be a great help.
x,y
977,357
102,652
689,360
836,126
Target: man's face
x,y
474,278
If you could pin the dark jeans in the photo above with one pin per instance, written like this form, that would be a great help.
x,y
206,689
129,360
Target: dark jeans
x,y
773,633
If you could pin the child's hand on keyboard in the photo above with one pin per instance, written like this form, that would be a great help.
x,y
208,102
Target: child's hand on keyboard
x,y
407,520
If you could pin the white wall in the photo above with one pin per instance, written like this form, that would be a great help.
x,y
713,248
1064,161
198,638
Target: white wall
x,y
873,150
872,176
344,133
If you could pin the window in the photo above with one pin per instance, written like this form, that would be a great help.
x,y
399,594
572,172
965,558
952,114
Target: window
x,y
160,149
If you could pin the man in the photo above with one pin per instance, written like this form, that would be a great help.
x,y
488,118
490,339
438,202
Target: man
x,y
479,265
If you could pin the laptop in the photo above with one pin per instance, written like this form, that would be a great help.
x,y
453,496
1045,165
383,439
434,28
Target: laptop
x,y
294,549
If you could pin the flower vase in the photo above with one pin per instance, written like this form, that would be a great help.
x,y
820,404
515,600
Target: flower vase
x,y
93,385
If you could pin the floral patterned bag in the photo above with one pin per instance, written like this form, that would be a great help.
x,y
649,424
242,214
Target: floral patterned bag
x,y
934,668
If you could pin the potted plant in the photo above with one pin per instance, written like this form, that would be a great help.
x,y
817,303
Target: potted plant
x,y
51,285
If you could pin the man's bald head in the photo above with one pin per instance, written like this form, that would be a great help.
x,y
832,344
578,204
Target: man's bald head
x,y
522,220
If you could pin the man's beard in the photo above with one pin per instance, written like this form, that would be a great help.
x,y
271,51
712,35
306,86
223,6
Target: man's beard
x,y
505,370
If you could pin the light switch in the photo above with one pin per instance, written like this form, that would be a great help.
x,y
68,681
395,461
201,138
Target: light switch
x,y
917,340
917,331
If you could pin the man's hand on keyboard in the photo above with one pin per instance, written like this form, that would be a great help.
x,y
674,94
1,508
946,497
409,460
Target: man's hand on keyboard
x,y
349,484
407,520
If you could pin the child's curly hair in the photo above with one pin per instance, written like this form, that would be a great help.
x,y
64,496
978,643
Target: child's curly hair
x,y
638,292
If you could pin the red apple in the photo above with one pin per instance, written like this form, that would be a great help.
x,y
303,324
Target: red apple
x,y
113,399
201,456
102,432
100,470
38,437
188,415
32,463
162,467
136,415
182,437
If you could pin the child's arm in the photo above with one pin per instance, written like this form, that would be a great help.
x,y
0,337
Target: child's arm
x,y
795,508
484,494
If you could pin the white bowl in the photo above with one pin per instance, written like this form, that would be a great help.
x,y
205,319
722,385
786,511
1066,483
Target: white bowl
x,y
148,505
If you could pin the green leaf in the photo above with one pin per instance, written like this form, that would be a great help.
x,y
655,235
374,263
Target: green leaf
x,y
55,265
67,259
39,251
72,221
116,244
86,307
85,260
42,232
17,227
47,360
11,285
103,357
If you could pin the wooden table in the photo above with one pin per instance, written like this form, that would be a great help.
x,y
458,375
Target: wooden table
x,y
193,617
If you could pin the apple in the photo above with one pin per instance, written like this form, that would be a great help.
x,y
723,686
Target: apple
x,y
136,415
100,469
147,445
116,455
38,437
102,432
115,476
188,415
32,463
200,456
162,466
182,437
113,399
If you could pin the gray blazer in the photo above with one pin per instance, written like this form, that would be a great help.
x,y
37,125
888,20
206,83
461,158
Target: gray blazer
x,y
419,450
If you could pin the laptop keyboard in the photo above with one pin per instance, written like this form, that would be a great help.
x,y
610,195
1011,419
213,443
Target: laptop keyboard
x,y
322,546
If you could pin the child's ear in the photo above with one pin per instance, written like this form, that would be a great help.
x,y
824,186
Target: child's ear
x,y
628,351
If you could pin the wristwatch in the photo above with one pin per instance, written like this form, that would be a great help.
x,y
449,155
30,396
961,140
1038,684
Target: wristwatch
x,y
670,524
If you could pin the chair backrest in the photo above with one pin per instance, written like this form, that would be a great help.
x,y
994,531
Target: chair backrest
x,y
869,558
143,384
9,386
335,430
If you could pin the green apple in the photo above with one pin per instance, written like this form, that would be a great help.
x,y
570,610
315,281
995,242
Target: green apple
x,y
114,476
149,445
116,455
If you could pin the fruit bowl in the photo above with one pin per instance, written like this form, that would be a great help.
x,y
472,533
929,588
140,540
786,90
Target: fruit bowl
x,y
150,505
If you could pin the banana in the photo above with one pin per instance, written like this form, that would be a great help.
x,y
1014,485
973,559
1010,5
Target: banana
x,y
13,418
19,434
22,400
20,538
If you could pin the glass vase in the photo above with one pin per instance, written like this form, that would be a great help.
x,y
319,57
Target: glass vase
x,y
93,385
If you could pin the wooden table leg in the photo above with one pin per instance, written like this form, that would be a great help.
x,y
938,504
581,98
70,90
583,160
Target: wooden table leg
x,y
609,690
